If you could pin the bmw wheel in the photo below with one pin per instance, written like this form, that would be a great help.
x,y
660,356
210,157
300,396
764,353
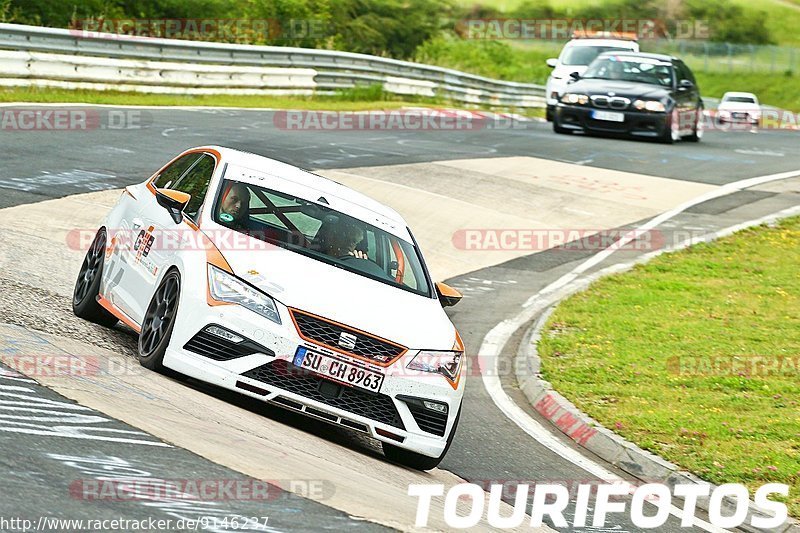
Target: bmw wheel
x,y
87,286
699,125
159,321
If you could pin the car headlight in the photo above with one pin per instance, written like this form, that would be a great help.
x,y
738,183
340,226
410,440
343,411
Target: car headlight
x,y
574,98
447,364
225,287
650,105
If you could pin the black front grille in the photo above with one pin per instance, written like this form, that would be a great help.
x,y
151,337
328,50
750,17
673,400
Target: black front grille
x,y
284,375
329,334
427,419
220,349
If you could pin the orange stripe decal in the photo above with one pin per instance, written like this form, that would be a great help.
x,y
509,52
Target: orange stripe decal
x,y
125,319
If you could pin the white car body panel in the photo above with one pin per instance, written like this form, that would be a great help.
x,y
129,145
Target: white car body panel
x,y
399,316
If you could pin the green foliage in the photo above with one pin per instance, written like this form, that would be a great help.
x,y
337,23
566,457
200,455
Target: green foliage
x,y
493,59
729,22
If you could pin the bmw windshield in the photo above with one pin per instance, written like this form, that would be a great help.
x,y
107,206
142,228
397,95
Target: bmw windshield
x,y
639,70
321,233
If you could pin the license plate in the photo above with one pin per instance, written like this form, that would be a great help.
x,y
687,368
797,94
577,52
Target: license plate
x,y
338,370
609,116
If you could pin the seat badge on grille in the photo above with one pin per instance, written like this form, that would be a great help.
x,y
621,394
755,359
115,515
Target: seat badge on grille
x,y
347,340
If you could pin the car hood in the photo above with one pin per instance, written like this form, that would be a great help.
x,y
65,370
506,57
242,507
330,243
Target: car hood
x,y
297,281
621,88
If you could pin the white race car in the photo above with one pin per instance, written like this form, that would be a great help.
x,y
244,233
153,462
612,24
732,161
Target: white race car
x,y
282,285
739,108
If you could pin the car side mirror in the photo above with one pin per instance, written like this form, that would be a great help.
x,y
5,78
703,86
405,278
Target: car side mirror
x,y
448,296
552,62
173,201
575,75
685,85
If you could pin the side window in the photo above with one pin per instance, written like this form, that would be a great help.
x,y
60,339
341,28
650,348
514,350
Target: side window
x,y
683,72
689,74
195,183
172,173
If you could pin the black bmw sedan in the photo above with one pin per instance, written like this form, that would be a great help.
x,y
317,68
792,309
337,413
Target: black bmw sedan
x,y
641,95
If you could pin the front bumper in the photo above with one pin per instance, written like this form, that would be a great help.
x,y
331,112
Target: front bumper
x,y
636,123
393,415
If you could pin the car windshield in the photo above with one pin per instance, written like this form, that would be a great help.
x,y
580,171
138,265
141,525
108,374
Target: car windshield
x,y
321,233
740,99
583,55
631,69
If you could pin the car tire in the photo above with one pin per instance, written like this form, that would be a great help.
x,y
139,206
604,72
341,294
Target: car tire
x,y
668,136
159,321
698,128
417,461
87,286
549,114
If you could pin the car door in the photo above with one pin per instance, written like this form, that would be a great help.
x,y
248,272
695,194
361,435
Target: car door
x,y
686,97
124,278
162,238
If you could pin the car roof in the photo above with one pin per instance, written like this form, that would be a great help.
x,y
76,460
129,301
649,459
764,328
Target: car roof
x,y
306,178
660,57
734,93
589,41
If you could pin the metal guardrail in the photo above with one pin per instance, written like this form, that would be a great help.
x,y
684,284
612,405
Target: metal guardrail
x,y
334,70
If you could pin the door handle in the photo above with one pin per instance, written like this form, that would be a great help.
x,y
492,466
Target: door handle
x,y
137,223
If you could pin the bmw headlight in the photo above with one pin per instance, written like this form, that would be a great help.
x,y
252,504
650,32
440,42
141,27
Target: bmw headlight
x,y
447,364
650,105
574,98
225,287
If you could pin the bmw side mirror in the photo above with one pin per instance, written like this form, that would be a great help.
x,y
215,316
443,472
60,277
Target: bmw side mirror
x,y
448,296
173,201
575,75
685,85
552,62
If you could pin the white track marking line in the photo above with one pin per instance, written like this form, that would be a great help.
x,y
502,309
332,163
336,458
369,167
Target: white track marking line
x,y
635,233
495,340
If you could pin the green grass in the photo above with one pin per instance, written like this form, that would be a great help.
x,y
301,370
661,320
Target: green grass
x,y
781,20
616,350
358,99
778,90
349,101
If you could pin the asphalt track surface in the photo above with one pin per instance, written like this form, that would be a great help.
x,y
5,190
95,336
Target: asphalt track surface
x,y
488,447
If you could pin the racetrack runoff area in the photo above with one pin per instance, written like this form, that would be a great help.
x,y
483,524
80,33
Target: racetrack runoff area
x,y
438,199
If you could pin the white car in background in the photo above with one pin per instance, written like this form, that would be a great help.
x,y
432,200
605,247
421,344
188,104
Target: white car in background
x,y
739,108
576,56
274,282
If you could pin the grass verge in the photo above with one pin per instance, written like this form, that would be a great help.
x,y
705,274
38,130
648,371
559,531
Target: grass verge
x,y
359,99
665,355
